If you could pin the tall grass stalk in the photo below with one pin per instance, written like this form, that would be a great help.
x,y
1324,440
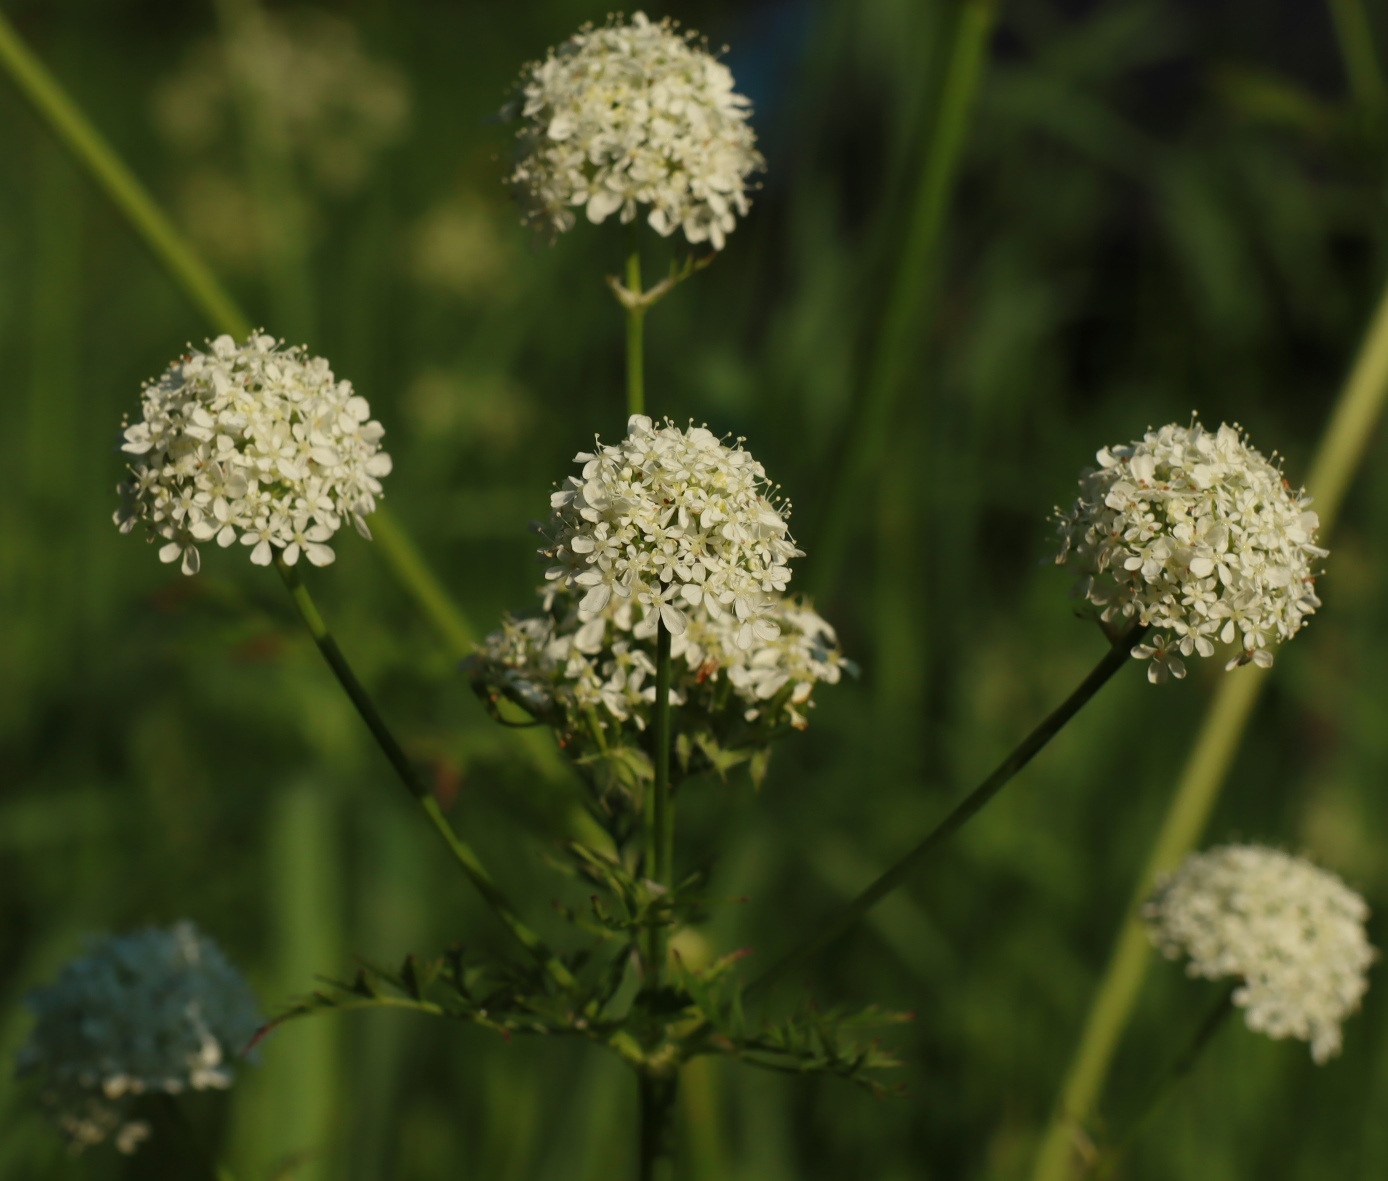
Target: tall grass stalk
x,y
1337,458
92,151
1356,41
907,307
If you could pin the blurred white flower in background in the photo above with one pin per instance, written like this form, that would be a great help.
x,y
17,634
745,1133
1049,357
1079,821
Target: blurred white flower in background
x,y
1292,933
253,442
1194,533
634,113
677,520
310,90
151,1011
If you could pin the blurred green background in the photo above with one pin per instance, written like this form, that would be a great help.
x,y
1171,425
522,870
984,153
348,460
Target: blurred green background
x,y
1161,207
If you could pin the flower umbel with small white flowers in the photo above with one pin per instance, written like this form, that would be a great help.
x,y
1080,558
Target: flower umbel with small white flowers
x,y
593,683
253,442
678,521
1194,533
634,113
151,1012
1291,933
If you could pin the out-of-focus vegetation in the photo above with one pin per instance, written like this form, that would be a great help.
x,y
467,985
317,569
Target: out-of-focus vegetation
x,y
1162,207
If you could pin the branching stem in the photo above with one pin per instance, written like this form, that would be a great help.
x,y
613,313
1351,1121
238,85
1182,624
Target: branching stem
x,y
408,776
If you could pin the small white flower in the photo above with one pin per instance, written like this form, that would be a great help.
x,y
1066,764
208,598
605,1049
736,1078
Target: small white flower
x,y
1193,533
560,666
676,520
151,1011
253,441
634,113
1291,932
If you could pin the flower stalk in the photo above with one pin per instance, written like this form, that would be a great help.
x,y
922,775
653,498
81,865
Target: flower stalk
x,y
1119,654
1337,458
410,778
636,328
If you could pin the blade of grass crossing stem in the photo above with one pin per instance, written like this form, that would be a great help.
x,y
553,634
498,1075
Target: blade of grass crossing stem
x,y
906,308
118,182
1337,458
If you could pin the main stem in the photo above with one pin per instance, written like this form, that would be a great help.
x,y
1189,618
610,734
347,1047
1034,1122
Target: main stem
x,y
407,774
658,1092
636,327
1338,456
1114,659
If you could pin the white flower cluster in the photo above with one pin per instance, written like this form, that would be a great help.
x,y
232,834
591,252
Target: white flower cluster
x,y
253,441
310,83
152,1011
1194,533
677,520
1291,932
560,667
634,113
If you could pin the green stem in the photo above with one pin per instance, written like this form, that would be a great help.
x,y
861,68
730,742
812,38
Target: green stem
x,y
1204,1034
658,1090
906,310
1337,458
407,774
636,325
660,812
116,180
657,1107
1118,655
1356,40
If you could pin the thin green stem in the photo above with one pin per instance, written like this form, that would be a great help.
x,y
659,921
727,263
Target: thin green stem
x,y
658,1090
1204,1034
826,932
657,1106
660,812
411,779
118,182
906,312
1337,458
636,328
663,815
1356,40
